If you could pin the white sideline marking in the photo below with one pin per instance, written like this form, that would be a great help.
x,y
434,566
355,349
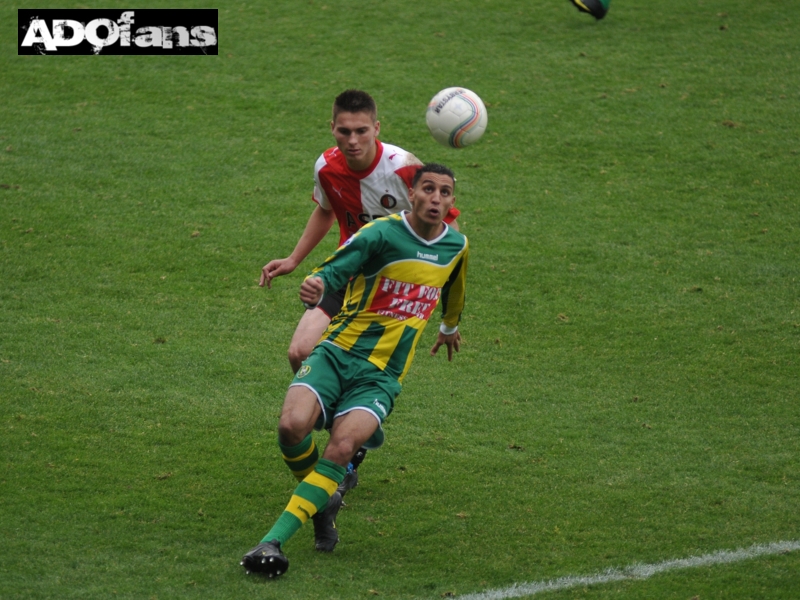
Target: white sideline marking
x,y
636,571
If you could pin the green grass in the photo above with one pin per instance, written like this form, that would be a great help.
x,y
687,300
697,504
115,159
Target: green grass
x,y
628,388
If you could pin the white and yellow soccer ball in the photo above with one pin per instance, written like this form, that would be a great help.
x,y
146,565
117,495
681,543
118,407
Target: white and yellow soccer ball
x,y
456,117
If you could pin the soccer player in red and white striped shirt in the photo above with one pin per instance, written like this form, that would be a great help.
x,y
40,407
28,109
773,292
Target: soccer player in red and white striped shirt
x,y
356,181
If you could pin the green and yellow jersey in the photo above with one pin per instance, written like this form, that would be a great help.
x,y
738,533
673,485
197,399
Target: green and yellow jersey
x,y
396,279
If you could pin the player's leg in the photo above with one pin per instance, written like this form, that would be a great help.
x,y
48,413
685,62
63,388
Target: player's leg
x,y
310,496
351,479
303,409
308,332
348,433
368,399
308,405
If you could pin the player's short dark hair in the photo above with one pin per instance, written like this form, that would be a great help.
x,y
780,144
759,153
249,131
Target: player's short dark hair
x,y
355,101
433,168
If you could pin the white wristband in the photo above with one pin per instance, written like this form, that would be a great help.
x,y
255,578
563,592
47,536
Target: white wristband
x,y
312,306
445,330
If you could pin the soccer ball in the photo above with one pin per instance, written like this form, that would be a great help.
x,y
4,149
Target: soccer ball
x,y
456,117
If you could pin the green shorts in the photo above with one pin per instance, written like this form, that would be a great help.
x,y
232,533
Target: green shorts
x,y
342,382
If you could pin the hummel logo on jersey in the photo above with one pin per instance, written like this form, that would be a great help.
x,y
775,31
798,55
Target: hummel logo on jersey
x,y
380,407
433,257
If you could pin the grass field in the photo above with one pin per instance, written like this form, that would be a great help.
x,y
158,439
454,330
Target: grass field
x,y
629,388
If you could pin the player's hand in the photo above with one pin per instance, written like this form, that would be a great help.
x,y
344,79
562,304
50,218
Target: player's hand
x,y
452,341
274,268
311,291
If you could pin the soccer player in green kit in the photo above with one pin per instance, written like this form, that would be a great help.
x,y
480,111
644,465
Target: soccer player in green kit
x,y
398,267
359,179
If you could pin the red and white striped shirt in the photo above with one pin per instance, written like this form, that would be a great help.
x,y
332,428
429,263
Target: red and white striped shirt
x,y
358,197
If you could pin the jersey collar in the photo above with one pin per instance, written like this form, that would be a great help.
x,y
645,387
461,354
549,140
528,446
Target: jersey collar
x,y
405,213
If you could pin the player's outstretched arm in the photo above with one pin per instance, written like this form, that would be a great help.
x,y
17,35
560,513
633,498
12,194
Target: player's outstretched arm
x,y
452,341
319,223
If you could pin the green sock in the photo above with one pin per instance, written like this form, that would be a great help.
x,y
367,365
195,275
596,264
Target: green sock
x,y
302,458
310,495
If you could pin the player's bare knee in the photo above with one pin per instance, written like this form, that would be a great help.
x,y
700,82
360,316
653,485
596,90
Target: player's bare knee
x,y
291,431
341,451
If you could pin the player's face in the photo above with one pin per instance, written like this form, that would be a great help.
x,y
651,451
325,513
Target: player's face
x,y
355,135
431,199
